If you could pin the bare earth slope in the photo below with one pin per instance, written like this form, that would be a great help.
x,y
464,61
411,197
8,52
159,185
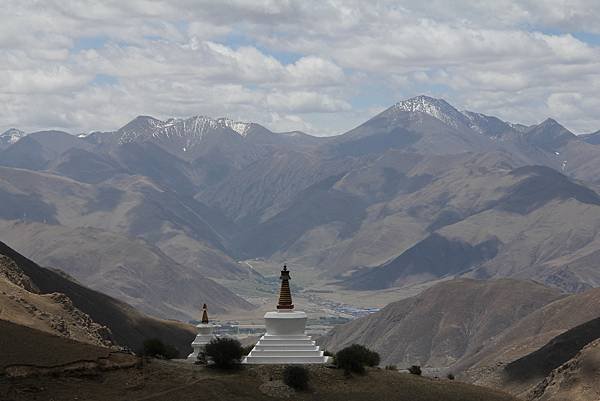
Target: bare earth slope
x,y
556,352
445,323
577,379
22,302
531,338
126,268
39,366
127,238
128,326
24,346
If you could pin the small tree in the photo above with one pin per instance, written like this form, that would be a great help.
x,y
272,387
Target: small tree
x,y
155,348
415,370
224,352
296,377
355,357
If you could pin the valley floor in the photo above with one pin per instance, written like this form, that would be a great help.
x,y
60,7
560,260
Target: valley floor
x,y
320,298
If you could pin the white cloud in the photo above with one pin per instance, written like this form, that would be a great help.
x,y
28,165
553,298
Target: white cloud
x,y
289,62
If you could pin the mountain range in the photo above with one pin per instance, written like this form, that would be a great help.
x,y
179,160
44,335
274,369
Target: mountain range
x,y
156,211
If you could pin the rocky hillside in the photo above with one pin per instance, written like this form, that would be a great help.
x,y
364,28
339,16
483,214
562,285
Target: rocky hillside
x,y
558,351
47,300
444,324
576,379
565,368
22,302
535,330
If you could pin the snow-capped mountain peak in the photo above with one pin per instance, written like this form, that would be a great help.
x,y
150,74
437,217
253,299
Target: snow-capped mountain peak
x,y
445,112
437,108
10,136
193,128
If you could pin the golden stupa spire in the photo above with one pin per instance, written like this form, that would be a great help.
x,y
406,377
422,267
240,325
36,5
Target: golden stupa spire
x,y
204,315
285,296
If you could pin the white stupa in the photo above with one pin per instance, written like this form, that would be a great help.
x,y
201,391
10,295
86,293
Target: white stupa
x,y
205,334
285,341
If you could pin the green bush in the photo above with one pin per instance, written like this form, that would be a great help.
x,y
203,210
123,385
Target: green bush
x,y
415,370
155,348
225,352
450,376
354,358
296,377
247,349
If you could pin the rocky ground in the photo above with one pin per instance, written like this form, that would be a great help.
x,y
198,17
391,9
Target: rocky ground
x,y
36,365
167,380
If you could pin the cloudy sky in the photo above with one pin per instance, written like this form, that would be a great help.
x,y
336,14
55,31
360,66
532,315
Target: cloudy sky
x,y
318,66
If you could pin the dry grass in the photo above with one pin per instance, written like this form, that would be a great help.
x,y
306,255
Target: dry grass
x,y
175,381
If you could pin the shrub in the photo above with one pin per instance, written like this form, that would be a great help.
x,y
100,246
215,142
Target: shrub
x,y
224,352
296,377
415,370
450,376
155,348
391,367
355,357
246,350
327,353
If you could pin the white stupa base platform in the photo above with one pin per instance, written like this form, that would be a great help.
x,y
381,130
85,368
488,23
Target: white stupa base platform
x,y
285,342
205,334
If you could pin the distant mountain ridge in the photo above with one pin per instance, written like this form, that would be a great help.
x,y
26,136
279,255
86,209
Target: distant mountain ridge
x,y
195,127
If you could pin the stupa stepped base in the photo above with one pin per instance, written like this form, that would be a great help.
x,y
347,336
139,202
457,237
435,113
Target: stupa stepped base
x,y
285,360
285,349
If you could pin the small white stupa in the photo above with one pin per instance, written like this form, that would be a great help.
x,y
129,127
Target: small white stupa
x,y
205,334
285,341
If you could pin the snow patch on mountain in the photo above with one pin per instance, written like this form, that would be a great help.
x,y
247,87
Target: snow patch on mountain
x,y
239,127
437,108
475,120
11,136
489,126
194,128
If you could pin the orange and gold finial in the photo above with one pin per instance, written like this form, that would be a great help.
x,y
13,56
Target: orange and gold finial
x,y
204,315
285,296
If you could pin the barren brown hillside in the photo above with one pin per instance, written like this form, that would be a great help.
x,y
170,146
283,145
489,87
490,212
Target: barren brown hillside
x,y
59,369
445,323
63,306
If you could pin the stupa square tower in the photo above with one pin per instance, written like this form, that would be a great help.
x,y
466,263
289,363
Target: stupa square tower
x,y
285,341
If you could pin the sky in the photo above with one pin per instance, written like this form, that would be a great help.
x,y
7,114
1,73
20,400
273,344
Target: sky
x,y
322,67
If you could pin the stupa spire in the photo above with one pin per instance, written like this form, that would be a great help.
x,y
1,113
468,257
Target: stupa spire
x,y
285,295
204,314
